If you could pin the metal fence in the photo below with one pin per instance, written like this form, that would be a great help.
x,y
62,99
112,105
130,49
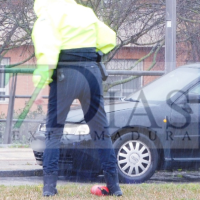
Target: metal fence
x,y
12,94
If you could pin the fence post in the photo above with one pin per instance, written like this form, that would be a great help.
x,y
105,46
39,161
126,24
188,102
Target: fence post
x,y
7,136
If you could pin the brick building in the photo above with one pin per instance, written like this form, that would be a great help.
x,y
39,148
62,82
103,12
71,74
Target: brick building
x,y
122,60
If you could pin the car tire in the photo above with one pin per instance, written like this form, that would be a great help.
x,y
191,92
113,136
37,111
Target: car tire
x,y
137,157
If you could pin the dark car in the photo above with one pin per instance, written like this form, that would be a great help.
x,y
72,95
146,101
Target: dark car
x,y
155,128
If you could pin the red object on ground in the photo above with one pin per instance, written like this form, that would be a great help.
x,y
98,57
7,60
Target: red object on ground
x,y
99,190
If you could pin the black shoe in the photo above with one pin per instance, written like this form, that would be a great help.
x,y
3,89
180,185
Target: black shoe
x,y
49,181
112,182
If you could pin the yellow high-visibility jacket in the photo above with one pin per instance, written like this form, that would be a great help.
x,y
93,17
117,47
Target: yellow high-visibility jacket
x,y
64,24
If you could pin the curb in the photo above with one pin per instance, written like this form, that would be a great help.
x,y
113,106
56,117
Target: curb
x,y
192,176
21,173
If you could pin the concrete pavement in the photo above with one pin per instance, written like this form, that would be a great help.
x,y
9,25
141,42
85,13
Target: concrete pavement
x,y
18,167
18,162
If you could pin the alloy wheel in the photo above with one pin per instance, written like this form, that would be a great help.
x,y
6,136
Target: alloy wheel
x,y
134,158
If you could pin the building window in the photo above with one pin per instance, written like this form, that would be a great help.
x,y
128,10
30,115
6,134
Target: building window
x,y
4,86
125,89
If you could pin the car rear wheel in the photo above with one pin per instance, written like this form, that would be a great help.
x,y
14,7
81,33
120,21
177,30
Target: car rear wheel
x,y
137,159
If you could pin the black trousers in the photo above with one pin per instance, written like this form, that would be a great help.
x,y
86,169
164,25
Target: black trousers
x,y
77,77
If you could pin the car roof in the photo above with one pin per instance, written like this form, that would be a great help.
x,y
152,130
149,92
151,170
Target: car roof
x,y
192,65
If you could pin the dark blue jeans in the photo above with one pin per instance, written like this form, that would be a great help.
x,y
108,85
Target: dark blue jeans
x,y
81,82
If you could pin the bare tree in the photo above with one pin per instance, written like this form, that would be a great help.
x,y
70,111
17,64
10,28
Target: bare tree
x,y
188,33
138,23
16,20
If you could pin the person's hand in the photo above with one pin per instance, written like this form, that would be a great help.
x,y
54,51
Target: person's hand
x,y
42,77
39,100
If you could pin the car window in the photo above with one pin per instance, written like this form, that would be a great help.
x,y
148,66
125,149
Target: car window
x,y
195,90
168,85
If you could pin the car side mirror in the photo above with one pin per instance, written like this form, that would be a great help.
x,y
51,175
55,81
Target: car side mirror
x,y
183,104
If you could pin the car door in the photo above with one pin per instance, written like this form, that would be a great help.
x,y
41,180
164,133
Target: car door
x,y
184,123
